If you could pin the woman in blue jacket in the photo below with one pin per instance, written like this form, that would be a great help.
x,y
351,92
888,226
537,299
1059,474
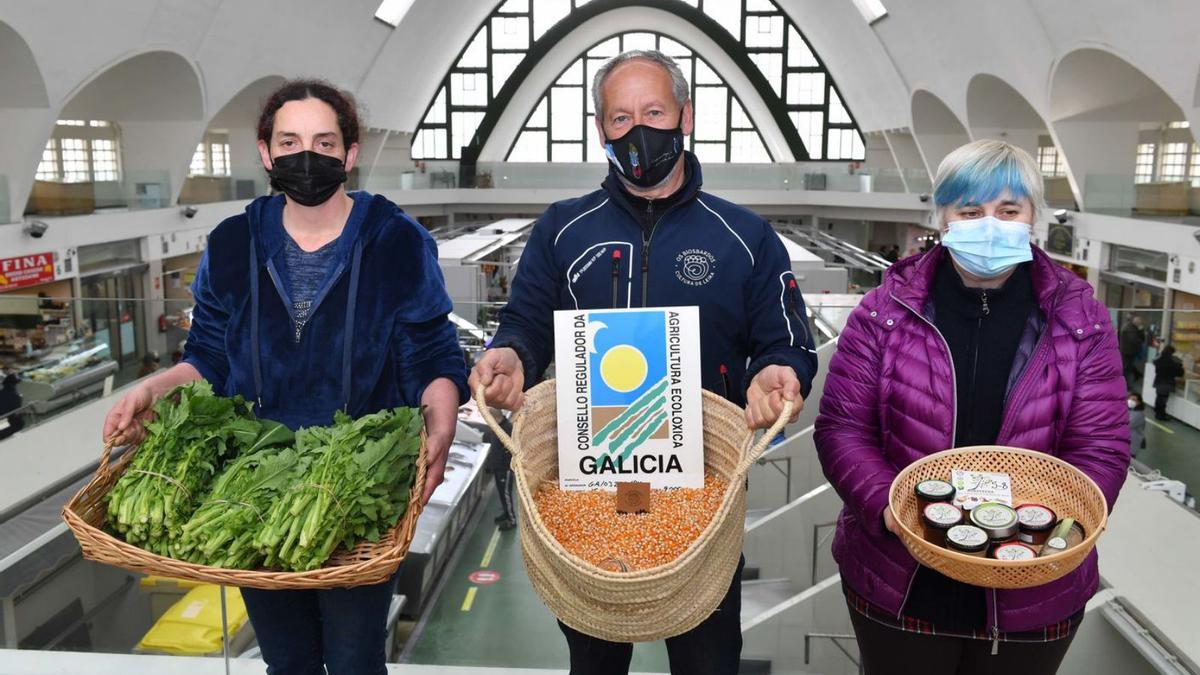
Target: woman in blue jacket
x,y
312,301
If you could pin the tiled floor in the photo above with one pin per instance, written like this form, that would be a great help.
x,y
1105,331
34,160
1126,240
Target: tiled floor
x,y
1173,448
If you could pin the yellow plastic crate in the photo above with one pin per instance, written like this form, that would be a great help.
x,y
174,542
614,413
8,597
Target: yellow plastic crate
x,y
192,626
164,592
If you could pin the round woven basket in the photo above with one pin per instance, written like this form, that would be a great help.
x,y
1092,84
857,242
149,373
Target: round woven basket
x,y
1036,477
642,605
367,563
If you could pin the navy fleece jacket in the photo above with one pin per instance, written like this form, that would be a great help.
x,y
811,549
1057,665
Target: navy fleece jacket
x,y
593,253
377,332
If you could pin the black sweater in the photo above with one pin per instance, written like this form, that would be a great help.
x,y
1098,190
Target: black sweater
x,y
983,329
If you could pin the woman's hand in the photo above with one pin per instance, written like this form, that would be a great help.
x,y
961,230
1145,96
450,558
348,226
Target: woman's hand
x,y
889,521
125,423
437,451
441,422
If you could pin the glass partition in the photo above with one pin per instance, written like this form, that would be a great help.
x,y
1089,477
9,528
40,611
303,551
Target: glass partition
x,y
1126,195
795,176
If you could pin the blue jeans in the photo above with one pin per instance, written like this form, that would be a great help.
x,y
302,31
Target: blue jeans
x,y
303,632
712,648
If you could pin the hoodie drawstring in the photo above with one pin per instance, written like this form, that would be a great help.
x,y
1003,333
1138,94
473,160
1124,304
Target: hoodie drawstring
x,y
348,337
348,345
254,356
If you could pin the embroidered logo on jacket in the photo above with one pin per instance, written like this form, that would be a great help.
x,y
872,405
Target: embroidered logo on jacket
x,y
695,267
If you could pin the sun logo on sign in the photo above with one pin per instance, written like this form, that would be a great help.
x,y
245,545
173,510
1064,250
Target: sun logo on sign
x,y
623,368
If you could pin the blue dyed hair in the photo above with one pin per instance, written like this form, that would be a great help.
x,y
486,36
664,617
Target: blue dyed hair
x,y
982,171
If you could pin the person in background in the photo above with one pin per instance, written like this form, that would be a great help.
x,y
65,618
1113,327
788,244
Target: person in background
x,y
1137,423
10,400
149,364
499,463
1132,341
1167,367
984,340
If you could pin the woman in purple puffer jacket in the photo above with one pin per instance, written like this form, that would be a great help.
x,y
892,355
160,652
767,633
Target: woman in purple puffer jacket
x,y
981,340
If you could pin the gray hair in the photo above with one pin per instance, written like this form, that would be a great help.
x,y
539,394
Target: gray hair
x,y
679,83
981,171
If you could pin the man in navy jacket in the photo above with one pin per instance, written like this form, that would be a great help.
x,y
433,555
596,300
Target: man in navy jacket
x,y
650,237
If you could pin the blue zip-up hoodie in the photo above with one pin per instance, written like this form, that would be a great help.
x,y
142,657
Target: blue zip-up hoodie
x,y
592,253
376,336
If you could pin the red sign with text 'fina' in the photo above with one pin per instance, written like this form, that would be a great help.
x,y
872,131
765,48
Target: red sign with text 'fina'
x,y
26,270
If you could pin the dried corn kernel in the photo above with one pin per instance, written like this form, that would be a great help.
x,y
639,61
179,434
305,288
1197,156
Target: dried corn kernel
x,y
588,525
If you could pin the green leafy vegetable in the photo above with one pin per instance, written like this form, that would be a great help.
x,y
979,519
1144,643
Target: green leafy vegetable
x,y
215,486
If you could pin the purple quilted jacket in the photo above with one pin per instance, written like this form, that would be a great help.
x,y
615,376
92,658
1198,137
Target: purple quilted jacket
x,y
890,399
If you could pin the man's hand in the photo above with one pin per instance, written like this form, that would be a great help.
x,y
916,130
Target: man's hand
x,y
437,451
768,390
501,372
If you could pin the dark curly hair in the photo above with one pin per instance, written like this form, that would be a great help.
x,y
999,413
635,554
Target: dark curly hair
x,y
342,102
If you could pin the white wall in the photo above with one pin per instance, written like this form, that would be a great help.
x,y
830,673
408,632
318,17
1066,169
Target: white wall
x,y
1095,232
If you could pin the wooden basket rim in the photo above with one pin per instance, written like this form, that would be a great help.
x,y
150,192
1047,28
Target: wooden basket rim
x,y
342,576
534,519
912,538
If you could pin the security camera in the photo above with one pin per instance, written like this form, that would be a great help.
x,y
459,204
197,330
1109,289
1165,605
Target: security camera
x,y
924,198
189,211
36,229
1063,216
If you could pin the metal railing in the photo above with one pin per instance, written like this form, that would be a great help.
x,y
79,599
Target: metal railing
x,y
836,639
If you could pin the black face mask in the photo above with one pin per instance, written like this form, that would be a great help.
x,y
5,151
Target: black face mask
x,y
307,178
645,155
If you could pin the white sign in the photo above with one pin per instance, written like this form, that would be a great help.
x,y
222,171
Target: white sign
x,y
629,398
973,488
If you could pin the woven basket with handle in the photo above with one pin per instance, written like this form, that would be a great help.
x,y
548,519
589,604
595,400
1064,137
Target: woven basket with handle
x,y
642,605
1036,477
367,563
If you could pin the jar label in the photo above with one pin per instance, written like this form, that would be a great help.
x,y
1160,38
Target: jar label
x,y
966,535
942,513
1035,516
1014,552
935,488
993,516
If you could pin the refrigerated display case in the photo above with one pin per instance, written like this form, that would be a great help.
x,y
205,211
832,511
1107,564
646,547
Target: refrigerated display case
x,y
66,374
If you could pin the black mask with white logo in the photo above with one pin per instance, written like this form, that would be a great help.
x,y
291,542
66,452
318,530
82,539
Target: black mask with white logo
x,y
645,155
307,178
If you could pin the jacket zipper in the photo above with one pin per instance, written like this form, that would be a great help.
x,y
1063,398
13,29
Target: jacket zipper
x,y
337,275
953,425
725,381
646,250
616,272
795,311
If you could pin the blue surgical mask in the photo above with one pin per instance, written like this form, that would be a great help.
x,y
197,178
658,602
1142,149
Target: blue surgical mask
x,y
988,247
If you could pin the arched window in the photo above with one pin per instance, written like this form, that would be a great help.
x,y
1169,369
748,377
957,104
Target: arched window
x,y
559,130
798,79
